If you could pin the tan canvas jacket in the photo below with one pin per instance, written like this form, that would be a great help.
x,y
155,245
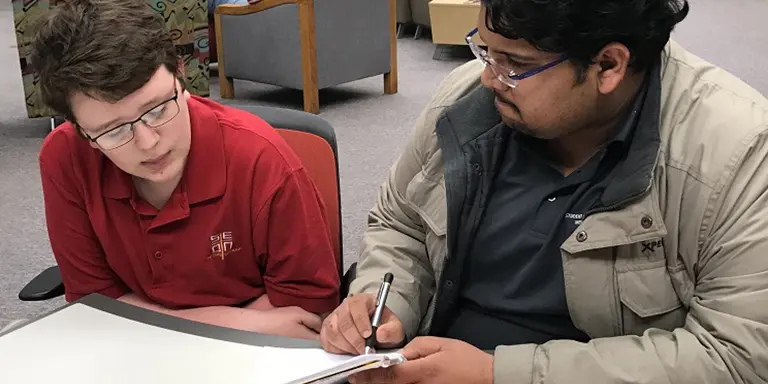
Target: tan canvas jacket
x,y
672,288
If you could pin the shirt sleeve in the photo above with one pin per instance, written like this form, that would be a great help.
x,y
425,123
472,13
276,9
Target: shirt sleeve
x,y
301,268
77,251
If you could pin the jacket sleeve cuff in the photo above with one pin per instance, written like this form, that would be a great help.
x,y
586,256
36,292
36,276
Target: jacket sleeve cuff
x,y
514,364
402,309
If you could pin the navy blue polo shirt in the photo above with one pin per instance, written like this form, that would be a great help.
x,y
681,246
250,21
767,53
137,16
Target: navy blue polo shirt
x,y
513,290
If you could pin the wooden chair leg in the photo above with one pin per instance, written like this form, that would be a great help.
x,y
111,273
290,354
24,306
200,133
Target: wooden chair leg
x,y
308,57
390,83
311,99
226,84
390,79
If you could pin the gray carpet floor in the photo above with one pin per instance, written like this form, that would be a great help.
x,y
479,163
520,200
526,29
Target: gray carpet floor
x,y
371,128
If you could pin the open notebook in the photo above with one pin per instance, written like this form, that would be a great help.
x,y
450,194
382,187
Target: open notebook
x,y
83,345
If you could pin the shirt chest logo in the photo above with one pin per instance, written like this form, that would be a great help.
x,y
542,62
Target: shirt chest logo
x,y
574,218
222,245
652,246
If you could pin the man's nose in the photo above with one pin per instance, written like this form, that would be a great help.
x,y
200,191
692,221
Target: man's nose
x,y
145,136
491,81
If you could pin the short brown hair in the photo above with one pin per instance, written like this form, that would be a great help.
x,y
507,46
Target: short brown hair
x,y
106,49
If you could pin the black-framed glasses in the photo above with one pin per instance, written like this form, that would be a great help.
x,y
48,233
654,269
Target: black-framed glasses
x,y
153,118
504,74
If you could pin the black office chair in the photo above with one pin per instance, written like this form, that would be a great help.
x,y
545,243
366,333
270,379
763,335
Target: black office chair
x,y
314,141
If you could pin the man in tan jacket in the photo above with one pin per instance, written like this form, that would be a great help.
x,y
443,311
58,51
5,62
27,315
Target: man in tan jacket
x,y
586,203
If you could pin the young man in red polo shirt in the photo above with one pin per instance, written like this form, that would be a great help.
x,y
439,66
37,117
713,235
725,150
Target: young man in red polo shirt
x,y
166,200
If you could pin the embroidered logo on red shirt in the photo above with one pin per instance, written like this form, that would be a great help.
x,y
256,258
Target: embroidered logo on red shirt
x,y
222,244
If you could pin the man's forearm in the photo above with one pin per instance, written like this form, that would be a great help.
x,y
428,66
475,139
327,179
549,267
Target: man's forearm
x,y
230,317
658,356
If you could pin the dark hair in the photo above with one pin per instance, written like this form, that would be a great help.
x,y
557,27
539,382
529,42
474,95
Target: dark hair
x,y
580,29
106,49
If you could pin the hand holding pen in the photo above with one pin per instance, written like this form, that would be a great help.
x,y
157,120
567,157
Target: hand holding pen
x,y
351,326
381,303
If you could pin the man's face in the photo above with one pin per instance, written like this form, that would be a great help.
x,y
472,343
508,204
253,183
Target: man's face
x,y
157,154
548,105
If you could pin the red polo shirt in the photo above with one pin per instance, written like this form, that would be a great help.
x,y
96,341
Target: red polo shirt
x,y
245,220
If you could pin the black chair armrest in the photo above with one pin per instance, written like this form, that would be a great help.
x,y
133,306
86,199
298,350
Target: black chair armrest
x,y
347,280
45,286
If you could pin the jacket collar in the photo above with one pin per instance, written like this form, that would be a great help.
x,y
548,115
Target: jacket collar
x,y
474,115
631,203
205,174
633,176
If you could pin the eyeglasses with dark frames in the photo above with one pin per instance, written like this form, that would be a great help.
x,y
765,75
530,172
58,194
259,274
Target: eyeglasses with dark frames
x,y
154,118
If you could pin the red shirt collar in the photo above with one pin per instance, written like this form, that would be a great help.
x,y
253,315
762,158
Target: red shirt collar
x,y
205,174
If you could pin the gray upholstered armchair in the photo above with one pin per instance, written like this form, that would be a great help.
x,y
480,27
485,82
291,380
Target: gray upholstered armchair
x,y
420,15
403,16
306,44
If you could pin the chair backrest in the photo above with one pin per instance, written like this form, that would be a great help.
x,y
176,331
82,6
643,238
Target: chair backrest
x,y
314,141
319,159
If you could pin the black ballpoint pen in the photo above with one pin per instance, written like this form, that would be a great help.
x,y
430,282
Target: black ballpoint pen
x,y
381,301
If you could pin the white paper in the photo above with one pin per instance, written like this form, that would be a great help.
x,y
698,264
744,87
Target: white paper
x,y
283,365
83,345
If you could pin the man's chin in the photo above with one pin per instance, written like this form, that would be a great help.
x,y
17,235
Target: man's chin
x,y
512,120
509,121
159,176
528,131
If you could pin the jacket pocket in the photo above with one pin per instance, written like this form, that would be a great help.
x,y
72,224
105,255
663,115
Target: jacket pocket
x,y
649,299
427,198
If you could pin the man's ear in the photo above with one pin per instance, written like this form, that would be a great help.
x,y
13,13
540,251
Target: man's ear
x,y
612,65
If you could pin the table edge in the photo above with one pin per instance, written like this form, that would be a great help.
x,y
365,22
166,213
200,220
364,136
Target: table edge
x,y
178,324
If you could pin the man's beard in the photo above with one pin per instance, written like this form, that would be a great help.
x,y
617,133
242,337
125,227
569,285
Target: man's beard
x,y
524,129
517,124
